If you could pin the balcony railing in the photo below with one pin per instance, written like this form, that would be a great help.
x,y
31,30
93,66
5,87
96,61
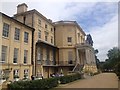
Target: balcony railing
x,y
83,45
67,63
46,62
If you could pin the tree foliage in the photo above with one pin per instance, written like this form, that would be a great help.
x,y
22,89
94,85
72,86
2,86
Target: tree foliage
x,y
113,61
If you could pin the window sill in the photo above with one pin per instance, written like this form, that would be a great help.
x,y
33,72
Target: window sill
x,y
5,37
17,41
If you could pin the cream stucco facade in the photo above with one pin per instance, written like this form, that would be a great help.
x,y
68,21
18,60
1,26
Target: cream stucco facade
x,y
54,47
12,61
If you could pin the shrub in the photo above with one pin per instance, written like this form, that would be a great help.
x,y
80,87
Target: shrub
x,y
69,78
43,84
35,84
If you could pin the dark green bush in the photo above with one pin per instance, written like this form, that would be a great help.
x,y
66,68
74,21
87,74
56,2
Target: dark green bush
x,y
35,84
69,78
43,84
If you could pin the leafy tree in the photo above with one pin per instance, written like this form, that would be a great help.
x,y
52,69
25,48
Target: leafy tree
x,y
113,59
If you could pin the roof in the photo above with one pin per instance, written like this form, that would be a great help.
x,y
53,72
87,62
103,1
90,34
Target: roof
x,y
35,11
69,23
22,5
11,18
40,41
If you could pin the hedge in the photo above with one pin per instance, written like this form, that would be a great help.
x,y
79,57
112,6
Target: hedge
x,y
35,84
43,83
69,78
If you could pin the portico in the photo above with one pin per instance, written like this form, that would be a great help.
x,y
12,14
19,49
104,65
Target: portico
x,y
85,57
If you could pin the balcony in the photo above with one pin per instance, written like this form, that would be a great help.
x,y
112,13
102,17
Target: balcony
x,y
46,62
83,45
66,63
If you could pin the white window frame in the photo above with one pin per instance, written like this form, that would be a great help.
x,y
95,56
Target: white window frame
x,y
16,50
6,28
17,34
5,54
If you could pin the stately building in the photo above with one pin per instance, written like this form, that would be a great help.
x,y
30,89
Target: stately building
x,y
31,44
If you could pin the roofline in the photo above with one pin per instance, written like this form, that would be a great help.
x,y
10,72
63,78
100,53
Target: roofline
x,y
69,23
22,4
17,21
38,13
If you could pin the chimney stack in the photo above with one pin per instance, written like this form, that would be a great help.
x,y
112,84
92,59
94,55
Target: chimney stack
x,y
22,8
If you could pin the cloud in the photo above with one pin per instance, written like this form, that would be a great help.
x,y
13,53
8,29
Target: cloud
x,y
105,37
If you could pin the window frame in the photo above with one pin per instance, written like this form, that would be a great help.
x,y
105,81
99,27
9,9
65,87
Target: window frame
x,y
17,34
5,54
15,55
69,39
6,28
25,56
26,37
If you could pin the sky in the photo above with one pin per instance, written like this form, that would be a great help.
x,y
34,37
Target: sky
x,y
96,17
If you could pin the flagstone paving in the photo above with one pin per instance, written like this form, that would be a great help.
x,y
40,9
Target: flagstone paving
x,y
103,80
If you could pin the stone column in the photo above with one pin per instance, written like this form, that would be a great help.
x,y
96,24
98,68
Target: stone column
x,y
77,56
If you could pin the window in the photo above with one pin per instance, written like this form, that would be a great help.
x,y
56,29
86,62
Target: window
x,y
5,30
26,37
17,34
25,56
51,39
39,22
69,39
46,37
15,59
51,29
38,56
39,34
4,54
24,19
26,71
70,57
16,73
46,26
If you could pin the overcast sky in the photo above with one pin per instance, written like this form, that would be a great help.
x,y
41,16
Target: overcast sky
x,y
100,19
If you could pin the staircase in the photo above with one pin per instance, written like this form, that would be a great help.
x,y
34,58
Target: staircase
x,y
78,68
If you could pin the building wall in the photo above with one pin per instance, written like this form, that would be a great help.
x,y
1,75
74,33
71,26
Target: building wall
x,y
62,32
0,37
11,44
33,19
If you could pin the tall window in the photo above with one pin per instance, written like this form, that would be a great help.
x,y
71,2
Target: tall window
x,y
15,59
51,39
26,37
26,73
15,73
39,56
39,22
70,57
5,30
17,34
4,54
69,39
46,26
39,34
25,56
46,37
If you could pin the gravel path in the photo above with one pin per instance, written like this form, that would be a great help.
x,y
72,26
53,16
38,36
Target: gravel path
x,y
103,80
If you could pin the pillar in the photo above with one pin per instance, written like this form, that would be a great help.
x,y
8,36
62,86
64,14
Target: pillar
x,y
77,56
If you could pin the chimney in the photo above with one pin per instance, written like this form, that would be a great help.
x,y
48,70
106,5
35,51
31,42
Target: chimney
x,y
22,8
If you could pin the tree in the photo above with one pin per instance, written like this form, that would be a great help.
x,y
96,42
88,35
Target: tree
x,y
113,59
96,59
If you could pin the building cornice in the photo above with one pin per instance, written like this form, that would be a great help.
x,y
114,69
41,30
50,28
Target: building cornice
x,y
74,23
36,12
